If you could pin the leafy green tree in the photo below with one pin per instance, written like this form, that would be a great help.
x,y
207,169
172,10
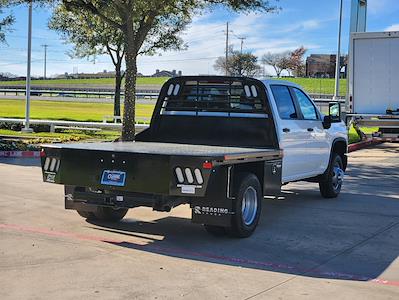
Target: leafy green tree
x,y
149,25
238,64
5,21
91,37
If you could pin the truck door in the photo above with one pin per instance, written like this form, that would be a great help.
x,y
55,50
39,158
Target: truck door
x,y
317,141
292,137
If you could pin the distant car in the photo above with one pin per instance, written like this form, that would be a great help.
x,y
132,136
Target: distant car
x,y
217,143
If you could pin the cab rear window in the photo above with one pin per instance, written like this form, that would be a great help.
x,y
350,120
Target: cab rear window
x,y
285,104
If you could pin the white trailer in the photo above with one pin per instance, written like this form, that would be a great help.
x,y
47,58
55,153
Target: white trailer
x,y
373,87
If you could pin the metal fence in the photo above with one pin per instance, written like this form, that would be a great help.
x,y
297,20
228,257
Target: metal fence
x,y
75,94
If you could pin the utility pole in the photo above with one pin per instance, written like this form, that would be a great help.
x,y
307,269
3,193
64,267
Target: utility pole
x,y
242,42
27,110
45,46
338,61
227,47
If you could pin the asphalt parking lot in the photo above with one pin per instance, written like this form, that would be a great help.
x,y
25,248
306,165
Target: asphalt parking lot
x,y
305,247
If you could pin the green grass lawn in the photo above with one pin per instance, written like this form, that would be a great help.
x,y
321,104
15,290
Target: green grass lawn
x,y
69,111
354,137
311,85
99,81
319,85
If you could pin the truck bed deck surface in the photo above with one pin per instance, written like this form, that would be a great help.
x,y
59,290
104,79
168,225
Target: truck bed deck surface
x,y
172,149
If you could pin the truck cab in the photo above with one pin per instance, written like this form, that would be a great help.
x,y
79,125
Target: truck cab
x,y
219,144
307,138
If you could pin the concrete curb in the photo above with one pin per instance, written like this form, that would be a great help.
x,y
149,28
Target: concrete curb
x,y
362,144
20,154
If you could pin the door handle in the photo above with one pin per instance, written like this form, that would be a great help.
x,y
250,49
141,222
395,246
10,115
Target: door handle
x,y
310,129
286,130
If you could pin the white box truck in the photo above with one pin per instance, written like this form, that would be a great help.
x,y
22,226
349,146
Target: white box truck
x,y
373,87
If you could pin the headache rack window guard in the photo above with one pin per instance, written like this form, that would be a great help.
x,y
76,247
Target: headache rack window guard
x,y
216,114
222,99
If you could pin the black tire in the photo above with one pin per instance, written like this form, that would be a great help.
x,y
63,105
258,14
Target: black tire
x,y
330,185
86,214
244,222
110,214
215,230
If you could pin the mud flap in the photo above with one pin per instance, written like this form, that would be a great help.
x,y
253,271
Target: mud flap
x,y
216,208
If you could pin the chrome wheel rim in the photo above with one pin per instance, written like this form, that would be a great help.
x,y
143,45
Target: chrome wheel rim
x,y
249,206
338,176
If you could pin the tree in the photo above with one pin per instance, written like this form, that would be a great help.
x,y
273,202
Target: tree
x,y
238,64
91,37
5,22
279,61
296,61
148,25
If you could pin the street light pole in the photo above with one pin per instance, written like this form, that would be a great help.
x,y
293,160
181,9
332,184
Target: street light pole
x,y
27,110
227,49
338,59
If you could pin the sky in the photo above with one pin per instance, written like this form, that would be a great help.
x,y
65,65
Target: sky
x,y
309,23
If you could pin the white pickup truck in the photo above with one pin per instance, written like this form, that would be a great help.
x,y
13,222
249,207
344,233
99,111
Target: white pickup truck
x,y
219,144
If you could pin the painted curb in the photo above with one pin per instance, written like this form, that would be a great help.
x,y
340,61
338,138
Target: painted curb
x,y
362,145
20,154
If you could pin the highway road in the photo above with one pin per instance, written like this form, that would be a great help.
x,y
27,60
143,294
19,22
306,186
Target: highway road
x,y
305,247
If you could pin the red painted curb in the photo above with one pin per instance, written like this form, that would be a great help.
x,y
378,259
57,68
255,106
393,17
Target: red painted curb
x,y
20,154
362,144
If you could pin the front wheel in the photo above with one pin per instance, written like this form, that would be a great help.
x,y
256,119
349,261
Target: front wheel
x,y
248,206
331,184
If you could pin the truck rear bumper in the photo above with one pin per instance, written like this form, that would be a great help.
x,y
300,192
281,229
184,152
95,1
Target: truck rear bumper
x,y
86,199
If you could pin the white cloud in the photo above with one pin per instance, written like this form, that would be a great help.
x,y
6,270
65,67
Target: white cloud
x,y
394,27
206,40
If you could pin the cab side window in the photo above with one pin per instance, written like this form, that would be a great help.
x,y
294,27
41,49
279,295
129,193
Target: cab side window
x,y
284,102
308,109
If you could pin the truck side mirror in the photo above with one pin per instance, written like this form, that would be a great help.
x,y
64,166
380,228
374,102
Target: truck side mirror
x,y
334,112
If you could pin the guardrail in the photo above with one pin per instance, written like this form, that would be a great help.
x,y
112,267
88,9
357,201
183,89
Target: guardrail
x,y
109,93
75,94
81,125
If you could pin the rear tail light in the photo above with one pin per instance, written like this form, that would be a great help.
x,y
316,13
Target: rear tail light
x,y
189,175
179,175
53,164
42,153
198,176
47,163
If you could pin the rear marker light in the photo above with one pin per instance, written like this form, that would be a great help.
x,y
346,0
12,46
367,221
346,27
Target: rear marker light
x,y
47,163
198,176
207,165
58,165
52,165
179,175
189,175
42,153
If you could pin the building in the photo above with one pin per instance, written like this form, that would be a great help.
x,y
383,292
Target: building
x,y
323,65
165,73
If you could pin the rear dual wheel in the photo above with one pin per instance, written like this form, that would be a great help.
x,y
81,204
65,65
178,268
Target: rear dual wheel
x,y
247,208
